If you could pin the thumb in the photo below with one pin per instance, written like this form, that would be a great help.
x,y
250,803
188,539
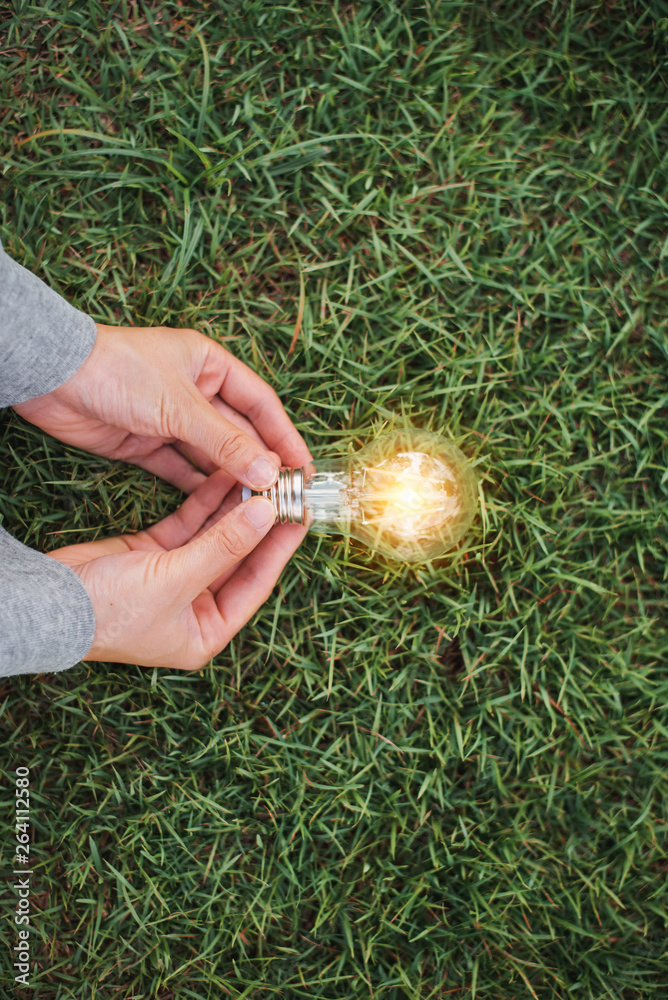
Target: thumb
x,y
200,562
200,425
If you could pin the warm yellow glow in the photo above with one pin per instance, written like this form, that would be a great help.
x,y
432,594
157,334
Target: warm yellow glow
x,y
410,499
409,494
398,499
416,496
401,500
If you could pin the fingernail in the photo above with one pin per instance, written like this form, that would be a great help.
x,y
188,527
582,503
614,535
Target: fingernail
x,y
259,512
262,473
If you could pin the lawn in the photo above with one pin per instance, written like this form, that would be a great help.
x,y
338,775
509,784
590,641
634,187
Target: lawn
x,y
431,781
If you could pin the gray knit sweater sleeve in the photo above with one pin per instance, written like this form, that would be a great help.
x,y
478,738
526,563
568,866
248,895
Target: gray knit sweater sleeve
x,y
46,616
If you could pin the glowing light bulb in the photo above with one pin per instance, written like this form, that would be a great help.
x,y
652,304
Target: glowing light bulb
x,y
409,494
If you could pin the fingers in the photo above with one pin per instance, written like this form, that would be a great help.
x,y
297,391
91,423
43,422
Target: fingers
x,y
201,460
180,527
205,558
168,464
246,590
237,418
200,426
250,395
285,533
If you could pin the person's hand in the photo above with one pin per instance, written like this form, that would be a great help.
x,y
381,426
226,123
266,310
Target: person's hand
x,y
152,396
175,594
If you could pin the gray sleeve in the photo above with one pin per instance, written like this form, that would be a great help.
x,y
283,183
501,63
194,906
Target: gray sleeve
x,y
43,339
47,620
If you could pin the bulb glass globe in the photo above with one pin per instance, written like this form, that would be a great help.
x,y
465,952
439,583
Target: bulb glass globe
x,y
409,494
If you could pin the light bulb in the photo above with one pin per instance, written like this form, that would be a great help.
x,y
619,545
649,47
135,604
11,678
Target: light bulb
x,y
409,494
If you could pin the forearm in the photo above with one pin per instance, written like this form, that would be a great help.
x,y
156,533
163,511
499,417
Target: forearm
x,y
43,339
47,621
46,617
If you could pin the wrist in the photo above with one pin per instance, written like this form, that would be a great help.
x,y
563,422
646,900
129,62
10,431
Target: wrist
x,y
113,616
87,374
71,387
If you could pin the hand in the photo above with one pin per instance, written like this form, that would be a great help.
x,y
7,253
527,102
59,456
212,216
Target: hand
x,y
174,595
153,396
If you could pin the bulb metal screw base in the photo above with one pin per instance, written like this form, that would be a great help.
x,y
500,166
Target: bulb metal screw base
x,y
287,496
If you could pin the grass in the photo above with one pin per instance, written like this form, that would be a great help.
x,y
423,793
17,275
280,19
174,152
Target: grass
x,y
396,782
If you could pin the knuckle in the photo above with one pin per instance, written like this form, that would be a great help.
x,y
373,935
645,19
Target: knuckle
x,y
234,542
234,446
